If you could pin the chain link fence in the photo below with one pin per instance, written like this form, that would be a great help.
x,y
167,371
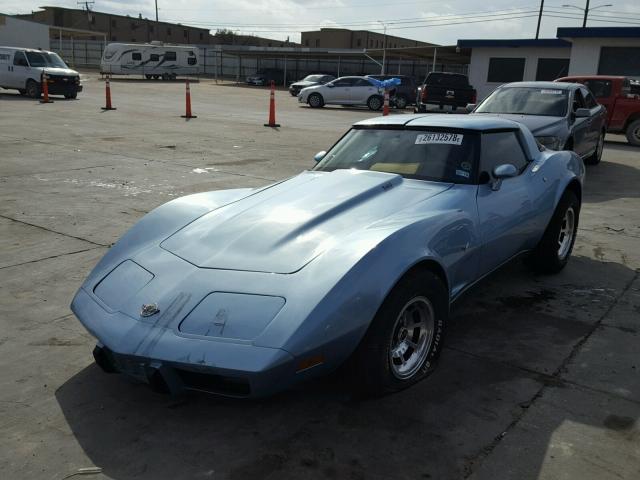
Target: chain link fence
x,y
215,62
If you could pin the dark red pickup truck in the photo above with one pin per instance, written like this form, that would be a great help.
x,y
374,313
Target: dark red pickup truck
x,y
617,96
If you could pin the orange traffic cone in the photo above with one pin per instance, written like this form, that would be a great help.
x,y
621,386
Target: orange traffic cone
x,y
272,107
107,93
45,89
188,102
385,110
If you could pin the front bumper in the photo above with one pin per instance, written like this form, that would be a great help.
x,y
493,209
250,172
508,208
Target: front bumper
x,y
174,362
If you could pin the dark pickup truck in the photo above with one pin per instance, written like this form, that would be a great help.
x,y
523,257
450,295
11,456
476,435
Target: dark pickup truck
x,y
444,88
617,95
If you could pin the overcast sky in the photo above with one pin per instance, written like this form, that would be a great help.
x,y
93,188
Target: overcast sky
x,y
442,22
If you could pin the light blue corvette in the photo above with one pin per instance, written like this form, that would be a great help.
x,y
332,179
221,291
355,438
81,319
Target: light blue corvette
x,y
245,292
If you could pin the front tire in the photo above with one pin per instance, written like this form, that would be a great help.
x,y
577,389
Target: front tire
x,y
315,100
71,96
595,158
633,133
374,102
404,340
33,89
554,250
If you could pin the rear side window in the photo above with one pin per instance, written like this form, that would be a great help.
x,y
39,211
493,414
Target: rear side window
x,y
499,148
600,88
362,83
136,56
170,56
192,60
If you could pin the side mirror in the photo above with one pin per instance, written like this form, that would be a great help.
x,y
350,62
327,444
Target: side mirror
x,y
500,172
330,85
471,107
319,156
582,113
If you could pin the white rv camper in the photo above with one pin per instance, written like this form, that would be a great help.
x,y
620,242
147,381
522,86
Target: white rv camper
x,y
153,60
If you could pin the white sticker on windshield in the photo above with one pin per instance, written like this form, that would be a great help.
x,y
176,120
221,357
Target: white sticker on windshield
x,y
551,92
462,173
439,138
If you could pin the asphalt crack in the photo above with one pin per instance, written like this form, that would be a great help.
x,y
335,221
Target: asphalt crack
x,y
52,256
54,231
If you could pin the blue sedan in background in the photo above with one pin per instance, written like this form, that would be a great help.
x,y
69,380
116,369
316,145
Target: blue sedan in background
x,y
245,292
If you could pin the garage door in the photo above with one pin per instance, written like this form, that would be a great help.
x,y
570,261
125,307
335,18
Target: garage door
x,y
620,61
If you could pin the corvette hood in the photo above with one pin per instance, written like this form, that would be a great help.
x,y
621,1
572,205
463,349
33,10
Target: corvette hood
x,y
535,123
282,228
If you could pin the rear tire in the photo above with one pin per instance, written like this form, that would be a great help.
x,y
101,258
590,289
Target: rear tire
x,y
148,77
404,340
374,102
71,96
22,92
401,102
595,158
554,250
315,100
633,133
33,89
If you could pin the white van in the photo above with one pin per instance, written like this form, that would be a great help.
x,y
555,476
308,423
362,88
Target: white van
x,y
153,60
22,68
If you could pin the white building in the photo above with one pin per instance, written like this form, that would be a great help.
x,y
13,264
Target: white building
x,y
576,51
22,33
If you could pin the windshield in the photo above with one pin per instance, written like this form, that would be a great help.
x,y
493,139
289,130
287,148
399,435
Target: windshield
x,y
527,101
54,60
441,156
43,59
313,78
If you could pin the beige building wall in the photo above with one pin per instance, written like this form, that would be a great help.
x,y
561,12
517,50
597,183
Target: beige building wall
x,y
344,38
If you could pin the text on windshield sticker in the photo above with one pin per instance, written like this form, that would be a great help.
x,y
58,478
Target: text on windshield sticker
x,y
551,92
439,138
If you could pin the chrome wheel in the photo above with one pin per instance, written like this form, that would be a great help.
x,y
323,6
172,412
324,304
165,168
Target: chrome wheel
x,y
411,337
567,230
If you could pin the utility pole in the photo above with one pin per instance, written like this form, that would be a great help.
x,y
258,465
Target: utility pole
x,y
539,18
156,11
586,14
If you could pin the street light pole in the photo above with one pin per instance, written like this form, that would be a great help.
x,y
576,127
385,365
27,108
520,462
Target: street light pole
x,y
586,10
384,48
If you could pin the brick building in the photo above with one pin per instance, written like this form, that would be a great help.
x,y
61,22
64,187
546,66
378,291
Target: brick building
x,y
119,28
344,38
